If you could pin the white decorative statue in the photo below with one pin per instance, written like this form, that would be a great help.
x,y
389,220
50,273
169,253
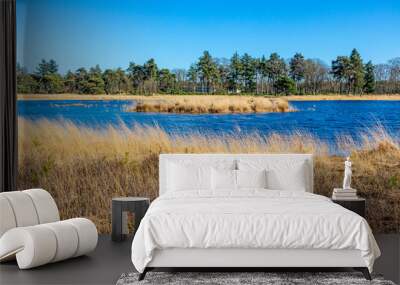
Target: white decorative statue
x,y
347,174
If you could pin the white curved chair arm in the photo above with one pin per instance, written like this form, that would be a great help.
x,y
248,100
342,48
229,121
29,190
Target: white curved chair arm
x,y
40,244
33,246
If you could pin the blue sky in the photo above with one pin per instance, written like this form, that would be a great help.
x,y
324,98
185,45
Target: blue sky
x,y
113,32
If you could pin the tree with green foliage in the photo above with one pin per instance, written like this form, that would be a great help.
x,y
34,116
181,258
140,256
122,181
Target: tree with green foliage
x,y
47,67
341,71
275,67
285,85
261,71
151,69
350,72
296,67
369,78
70,83
223,74
357,72
167,81
248,72
81,75
95,83
208,71
111,81
245,73
90,82
235,73
52,83
137,75
151,73
123,81
49,80
192,76
25,82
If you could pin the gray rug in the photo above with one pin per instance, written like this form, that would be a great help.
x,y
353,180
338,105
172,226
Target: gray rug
x,y
269,278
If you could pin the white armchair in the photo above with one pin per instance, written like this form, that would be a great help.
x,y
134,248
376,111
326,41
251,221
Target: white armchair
x,y
31,230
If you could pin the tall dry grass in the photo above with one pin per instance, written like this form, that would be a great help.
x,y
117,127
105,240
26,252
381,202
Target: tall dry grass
x,y
209,104
84,168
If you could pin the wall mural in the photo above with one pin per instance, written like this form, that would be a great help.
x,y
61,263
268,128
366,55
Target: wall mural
x,y
102,92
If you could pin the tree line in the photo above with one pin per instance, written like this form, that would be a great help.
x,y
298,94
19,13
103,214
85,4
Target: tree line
x,y
271,75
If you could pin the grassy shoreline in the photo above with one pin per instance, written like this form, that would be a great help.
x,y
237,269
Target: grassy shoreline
x,y
23,97
82,167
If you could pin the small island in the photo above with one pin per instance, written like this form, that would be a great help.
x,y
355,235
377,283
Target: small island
x,y
209,104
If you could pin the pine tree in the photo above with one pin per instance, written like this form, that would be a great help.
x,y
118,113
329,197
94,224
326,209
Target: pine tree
x,y
192,76
249,72
296,67
369,78
262,71
167,81
341,70
45,67
137,75
110,79
357,72
151,69
275,67
95,83
70,83
208,71
235,74
285,85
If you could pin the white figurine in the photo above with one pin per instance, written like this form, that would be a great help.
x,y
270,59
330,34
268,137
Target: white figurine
x,y
347,174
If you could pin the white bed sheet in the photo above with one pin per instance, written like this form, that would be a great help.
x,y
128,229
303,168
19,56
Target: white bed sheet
x,y
253,218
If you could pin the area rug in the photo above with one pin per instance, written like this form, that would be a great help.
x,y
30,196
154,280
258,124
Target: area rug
x,y
269,278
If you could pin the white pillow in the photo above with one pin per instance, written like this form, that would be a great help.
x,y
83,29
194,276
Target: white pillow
x,y
188,177
294,180
282,174
251,178
223,179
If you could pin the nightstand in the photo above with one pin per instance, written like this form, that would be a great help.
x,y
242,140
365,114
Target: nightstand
x,y
357,205
120,208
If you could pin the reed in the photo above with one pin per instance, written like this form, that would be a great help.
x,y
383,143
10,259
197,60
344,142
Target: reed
x,y
209,104
83,168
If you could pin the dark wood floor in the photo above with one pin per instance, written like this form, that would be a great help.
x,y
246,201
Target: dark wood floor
x,y
103,266
110,260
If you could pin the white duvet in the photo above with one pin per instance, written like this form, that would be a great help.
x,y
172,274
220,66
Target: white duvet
x,y
250,219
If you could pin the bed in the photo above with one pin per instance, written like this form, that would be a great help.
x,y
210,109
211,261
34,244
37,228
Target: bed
x,y
247,210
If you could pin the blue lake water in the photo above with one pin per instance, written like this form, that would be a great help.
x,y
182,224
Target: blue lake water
x,y
323,119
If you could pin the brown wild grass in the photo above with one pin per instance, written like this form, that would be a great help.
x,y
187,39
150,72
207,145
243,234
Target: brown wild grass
x,y
209,104
84,168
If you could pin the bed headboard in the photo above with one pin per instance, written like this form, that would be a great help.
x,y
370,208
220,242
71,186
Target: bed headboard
x,y
218,159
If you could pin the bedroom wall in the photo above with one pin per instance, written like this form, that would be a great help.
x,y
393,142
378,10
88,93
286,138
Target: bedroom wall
x,y
82,138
